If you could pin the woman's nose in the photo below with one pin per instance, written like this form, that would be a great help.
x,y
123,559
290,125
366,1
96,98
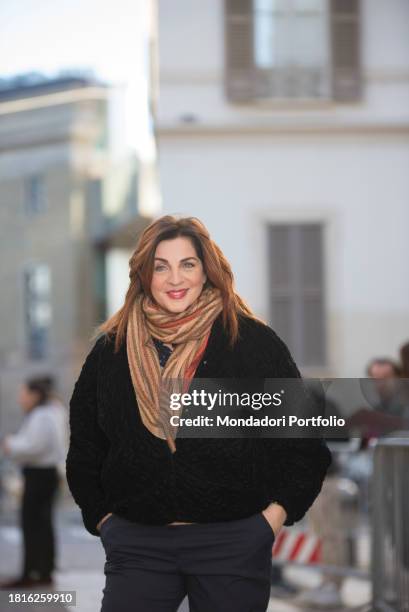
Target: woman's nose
x,y
175,277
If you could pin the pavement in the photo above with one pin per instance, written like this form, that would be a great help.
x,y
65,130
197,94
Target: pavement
x,y
80,560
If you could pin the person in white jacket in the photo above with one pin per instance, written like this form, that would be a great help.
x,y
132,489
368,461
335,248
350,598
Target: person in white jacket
x,y
39,447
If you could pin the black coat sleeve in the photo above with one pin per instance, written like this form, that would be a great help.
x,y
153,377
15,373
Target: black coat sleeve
x,y
294,467
88,445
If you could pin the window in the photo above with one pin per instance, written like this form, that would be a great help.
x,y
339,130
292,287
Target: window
x,y
292,49
297,289
35,196
37,301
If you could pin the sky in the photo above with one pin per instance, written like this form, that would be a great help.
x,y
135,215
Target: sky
x,y
107,36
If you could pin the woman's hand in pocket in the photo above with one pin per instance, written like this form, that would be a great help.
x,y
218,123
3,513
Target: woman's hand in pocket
x,y
275,515
104,518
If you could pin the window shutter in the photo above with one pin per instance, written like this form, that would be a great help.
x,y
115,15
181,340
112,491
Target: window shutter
x,y
239,56
312,298
297,296
345,41
282,285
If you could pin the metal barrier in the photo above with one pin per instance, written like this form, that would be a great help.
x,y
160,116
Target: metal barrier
x,y
390,523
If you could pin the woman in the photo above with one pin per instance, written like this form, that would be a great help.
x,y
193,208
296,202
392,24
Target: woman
x,y
37,447
187,515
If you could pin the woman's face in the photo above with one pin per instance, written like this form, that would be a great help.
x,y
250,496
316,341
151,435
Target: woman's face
x,y
27,398
178,275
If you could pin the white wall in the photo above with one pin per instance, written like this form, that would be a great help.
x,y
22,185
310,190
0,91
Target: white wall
x,y
191,52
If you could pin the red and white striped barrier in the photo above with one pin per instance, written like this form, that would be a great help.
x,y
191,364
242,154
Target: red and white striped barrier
x,y
297,546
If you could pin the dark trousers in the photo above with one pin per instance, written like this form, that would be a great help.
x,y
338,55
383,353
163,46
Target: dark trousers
x,y
40,487
219,566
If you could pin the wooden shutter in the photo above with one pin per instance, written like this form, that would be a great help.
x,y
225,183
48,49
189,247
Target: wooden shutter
x,y
311,294
345,46
239,55
297,290
282,285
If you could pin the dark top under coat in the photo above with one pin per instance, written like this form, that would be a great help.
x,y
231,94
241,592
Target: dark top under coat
x,y
164,352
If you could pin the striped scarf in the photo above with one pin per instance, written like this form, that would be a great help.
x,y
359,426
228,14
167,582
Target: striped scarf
x,y
189,332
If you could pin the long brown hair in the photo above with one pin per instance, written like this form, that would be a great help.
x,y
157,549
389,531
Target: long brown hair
x,y
216,268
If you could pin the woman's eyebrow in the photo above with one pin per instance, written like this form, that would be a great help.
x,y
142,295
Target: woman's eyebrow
x,y
184,259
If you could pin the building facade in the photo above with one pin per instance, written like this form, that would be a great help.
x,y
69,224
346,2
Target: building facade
x,y
67,213
284,126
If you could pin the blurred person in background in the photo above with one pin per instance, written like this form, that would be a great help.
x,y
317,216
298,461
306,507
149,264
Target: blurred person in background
x,y
384,391
404,368
392,399
386,373
39,449
198,517
404,360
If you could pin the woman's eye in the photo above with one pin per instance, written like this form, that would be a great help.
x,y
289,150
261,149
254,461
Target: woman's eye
x,y
186,264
